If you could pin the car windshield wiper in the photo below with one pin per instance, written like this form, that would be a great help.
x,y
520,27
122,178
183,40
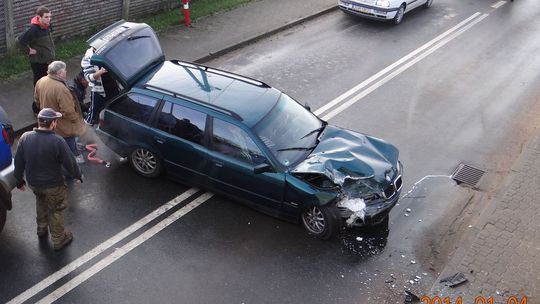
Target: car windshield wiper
x,y
137,37
318,130
297,148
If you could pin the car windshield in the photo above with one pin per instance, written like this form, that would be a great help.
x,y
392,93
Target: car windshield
x,y
289,130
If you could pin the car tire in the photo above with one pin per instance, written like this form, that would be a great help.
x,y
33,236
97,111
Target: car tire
x,y
428,3
399,15
2,215
320,221
145,162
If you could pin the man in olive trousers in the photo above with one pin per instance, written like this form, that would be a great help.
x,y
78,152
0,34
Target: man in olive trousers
x,y
44,157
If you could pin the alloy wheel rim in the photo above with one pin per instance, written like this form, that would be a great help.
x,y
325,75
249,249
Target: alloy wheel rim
x,y
145,161
314,220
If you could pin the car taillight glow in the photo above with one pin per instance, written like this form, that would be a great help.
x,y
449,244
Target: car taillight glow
x,y
5,135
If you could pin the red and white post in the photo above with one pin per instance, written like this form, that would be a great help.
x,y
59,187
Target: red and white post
x,y
187,20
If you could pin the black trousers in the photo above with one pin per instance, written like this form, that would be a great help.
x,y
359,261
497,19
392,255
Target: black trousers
x,y
39,70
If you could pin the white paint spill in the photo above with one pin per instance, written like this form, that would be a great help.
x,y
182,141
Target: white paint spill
x,y
422,180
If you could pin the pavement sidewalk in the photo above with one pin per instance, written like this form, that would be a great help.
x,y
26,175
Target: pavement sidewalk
x,y
502,257
208,37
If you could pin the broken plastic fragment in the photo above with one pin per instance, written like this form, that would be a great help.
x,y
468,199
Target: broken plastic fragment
x,y
357,206
454,280
411,297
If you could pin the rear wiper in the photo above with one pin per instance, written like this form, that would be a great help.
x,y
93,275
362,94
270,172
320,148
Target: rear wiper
x,y
137,37
318,130
297,148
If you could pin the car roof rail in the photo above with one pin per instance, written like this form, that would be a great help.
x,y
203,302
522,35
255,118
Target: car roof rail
x,y
221,72
197,101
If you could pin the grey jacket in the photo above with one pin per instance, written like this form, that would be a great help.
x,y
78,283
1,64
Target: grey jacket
x,y
42,155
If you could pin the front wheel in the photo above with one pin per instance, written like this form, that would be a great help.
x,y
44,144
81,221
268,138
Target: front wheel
x,y
145,162
399,15
320,221
428,3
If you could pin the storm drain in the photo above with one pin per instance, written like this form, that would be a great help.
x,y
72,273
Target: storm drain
x,y
467,175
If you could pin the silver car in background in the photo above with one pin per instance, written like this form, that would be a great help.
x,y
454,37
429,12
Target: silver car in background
x,y
383,10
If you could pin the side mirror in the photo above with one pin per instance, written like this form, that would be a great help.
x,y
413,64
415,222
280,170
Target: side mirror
x,y
262,168
307,107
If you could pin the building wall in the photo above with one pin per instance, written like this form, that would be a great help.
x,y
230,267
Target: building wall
x,y
77,17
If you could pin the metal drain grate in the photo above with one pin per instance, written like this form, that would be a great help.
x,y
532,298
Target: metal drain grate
x,y
467,175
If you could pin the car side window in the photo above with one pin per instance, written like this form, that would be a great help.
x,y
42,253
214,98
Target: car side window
x,y
134,106
182,122
232,141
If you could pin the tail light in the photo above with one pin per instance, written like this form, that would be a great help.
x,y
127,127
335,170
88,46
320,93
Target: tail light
x,y
5,135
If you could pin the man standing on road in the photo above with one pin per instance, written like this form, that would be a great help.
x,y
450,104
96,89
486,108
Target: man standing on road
x,y
52,92
102,86
38,40
44,157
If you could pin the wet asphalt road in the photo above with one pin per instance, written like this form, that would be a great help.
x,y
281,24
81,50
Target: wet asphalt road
x,y
472,100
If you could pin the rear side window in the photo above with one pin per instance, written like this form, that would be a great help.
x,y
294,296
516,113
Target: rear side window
x,y
183,122
134,106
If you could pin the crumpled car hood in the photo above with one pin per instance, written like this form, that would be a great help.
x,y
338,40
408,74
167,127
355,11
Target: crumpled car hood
x,y
343,155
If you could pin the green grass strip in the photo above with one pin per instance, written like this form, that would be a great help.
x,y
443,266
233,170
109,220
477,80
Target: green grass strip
x,y
13,66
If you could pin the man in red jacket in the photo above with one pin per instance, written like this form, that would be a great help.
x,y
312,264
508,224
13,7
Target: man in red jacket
x,y
37,39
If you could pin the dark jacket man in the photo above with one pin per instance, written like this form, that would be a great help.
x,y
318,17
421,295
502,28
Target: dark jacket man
x,y
44,158
37,39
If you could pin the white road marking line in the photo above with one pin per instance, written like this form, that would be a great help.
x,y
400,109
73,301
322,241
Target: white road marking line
x,y
360,86
402,69
48,281
120,252
499,4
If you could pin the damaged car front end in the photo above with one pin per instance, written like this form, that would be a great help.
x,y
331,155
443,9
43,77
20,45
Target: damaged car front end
x,y
364,172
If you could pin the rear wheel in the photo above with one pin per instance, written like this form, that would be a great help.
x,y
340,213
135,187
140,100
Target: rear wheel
x,y
2,215
320,221
399,15
145,162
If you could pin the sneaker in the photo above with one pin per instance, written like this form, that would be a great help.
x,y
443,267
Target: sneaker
x,y
68,237
79,159
42,232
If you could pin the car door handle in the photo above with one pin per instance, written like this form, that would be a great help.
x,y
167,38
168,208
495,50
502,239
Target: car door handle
x,y
218,164
159,140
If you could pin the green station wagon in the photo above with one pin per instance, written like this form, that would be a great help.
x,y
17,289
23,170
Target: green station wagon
x,y
240,137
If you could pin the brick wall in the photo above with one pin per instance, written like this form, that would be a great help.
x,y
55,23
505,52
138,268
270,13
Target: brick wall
x,y
77,17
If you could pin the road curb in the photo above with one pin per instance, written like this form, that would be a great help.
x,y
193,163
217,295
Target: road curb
x,y
230,48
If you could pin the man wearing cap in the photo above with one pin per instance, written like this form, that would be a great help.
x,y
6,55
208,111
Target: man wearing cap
x,y
44,157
